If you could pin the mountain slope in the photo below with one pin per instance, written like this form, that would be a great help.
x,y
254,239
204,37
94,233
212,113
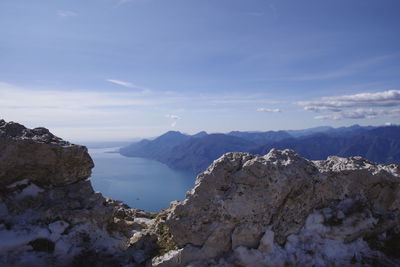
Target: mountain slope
x,y
380,145
195,153
154,148
261,138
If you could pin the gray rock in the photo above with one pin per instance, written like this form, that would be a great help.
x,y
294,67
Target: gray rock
x,y
41,157
51,216
270,207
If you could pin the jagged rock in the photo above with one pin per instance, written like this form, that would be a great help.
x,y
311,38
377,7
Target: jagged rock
x,y
245,210
49,213
39,156
281,209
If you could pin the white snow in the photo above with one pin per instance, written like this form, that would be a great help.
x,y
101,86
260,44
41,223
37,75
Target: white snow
x,y
22,182
57,228
31,190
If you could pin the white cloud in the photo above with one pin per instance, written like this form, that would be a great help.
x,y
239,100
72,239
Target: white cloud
x,y
76,114
66,13
172,116
342,107
272,110
129,85
122,83
379,99
321,109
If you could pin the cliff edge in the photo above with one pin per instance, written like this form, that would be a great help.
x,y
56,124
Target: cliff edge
x,y
273,210
49,213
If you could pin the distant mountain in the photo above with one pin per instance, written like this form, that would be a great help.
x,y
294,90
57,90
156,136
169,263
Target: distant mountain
x,y
200,134
196,152
316,146
262,137
155,148
187,152
309,131
348,131
381,144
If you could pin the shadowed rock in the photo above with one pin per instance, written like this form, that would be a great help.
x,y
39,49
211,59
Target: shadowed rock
x,y
50,214
38,155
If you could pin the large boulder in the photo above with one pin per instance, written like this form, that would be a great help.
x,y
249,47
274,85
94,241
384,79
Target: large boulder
x,y
281,209
51,216
39,156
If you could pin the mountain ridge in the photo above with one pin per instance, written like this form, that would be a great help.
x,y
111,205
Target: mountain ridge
x,y
195,152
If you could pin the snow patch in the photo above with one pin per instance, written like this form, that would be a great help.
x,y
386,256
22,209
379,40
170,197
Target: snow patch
x,y
22,182
31,190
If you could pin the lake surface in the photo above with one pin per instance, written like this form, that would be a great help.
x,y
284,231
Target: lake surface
x,y
140,183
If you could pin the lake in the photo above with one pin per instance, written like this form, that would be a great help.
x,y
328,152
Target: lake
x,y
141,183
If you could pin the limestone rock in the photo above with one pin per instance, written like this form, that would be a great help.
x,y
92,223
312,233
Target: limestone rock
x,y
266,210
39,156
49,213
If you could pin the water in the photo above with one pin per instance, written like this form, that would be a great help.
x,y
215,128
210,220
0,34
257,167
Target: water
x,y
140,183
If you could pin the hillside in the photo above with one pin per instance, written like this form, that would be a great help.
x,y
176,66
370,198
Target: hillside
x,y
380,145
194,153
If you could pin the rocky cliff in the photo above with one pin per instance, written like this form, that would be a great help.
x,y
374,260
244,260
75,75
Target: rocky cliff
x,y
273,210
49,213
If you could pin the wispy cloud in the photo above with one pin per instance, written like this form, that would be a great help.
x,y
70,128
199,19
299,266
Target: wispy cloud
x,y
387,98
343,107
271,110
122,83
173,117
66,13
74,112
128,85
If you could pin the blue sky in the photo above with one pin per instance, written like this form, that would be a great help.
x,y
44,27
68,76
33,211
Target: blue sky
x,y
116,70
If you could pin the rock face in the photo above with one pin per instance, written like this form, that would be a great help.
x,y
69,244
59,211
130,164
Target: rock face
x,y
49,213
245,210
40,156
281,209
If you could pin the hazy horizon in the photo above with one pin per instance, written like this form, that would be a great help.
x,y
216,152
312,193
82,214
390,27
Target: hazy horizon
x,y
116,70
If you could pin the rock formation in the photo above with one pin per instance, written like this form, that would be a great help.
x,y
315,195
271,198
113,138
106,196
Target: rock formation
x,y
273,210
49,213
283,210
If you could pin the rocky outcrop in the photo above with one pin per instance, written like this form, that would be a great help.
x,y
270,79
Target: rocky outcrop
x,y
273,210
40,156
281,209
49,213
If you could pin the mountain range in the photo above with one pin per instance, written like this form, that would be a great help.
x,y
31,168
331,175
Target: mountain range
x,y
195,152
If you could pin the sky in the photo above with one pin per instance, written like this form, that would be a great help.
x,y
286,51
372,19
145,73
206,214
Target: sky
x,y
103,70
